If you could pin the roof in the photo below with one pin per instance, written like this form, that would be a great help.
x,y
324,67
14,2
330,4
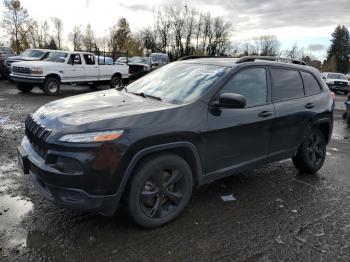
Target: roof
x,y
231,62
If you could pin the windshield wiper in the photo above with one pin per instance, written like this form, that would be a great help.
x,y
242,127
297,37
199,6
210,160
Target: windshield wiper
x,y
146,95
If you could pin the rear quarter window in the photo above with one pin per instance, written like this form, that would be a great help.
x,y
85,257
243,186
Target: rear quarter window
x,y
311,86
286,84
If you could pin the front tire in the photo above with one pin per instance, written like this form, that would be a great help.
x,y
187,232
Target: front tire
x,y
159,190
51,86
312,153
24,88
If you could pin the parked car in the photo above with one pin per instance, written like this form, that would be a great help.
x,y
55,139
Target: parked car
x,y
27,55
159,59
66,67
139,66
182,126
122,60
5,52
104,60
337,82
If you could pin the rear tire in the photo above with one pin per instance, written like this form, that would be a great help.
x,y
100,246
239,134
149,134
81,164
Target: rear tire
x,y
24,88
312,153
159,190
116,83
51,86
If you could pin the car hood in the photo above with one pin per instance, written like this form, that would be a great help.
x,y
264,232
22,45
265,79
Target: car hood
x,y
22,58
45,64
95,107
336,80
138,64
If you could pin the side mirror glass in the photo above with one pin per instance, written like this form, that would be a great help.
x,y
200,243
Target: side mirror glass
x,y
231,100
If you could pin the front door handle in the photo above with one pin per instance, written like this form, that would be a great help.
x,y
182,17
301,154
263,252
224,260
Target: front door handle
x,y
265,114
309,105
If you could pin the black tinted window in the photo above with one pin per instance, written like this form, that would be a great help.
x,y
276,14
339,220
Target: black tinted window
x,y
310,84
89,59
250,83
286,84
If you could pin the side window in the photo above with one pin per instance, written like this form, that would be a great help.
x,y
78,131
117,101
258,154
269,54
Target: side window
x,y
286,84
76,58
89,59
311,85
250,83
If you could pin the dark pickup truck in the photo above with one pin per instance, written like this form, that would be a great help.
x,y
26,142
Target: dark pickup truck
x,y
27,55
5,53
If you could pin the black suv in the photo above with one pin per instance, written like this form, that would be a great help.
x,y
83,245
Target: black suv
x,y
186,124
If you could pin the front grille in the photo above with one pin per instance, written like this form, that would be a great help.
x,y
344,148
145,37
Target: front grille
x,y
338,83
37,135
21,70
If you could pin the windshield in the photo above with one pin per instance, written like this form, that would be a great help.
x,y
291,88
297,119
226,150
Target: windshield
x,y
159,58
32,53
57,57
140,60
336,76
178,83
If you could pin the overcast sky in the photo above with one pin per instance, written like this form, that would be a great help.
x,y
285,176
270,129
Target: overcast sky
x,y
309,23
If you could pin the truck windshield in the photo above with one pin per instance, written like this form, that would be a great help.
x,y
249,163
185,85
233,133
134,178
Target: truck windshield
x,y
140,60
32,53
57,57
178,83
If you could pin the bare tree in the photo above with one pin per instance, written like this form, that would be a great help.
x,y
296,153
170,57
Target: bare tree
x,y
58,27
89,38
163,24
16,23
148,39
76,38
266,45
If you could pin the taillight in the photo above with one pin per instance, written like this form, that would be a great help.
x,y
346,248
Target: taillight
x,y
333,96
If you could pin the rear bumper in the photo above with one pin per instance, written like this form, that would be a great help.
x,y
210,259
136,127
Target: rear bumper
x,y
27,79
43,176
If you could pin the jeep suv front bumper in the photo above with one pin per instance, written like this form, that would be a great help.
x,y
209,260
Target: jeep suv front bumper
x,y
50,183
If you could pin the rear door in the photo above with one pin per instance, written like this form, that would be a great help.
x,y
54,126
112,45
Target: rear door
x,y
294,111
238,137
92,71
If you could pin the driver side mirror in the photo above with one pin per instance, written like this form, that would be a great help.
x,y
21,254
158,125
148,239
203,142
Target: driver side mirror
x,y
230,100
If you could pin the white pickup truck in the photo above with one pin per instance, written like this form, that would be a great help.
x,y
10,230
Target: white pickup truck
x,y
65,67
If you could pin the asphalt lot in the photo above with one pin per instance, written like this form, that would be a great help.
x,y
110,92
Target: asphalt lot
x,y
278,215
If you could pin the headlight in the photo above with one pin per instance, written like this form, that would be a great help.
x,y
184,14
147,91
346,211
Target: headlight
x,y
331,82
37,71
146,68
91,137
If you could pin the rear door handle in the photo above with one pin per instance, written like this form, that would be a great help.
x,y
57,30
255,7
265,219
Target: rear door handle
x,y
309,105
265,114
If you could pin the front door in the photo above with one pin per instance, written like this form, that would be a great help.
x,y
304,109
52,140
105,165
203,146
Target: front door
x,y
239,137
77,73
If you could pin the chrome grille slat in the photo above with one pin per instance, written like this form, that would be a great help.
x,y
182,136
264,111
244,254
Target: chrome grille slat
x,y
21,70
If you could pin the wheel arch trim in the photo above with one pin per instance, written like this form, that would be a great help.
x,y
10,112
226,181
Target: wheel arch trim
x,y
158,148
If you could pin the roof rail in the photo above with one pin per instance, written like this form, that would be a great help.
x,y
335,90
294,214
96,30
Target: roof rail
x,y
201,56
271,58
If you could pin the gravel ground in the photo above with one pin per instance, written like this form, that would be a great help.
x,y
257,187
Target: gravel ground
x,y
278,215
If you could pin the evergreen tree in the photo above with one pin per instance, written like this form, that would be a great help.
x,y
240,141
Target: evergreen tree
x,y
52,45
339,50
